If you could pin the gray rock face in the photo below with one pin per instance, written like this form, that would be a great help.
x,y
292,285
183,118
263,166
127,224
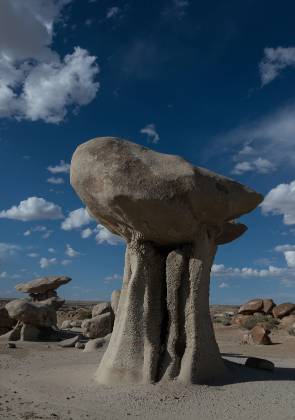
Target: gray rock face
x,y
43,284
6,323
115,300
164,198
173,216
101,308
98,326
97,343
37,314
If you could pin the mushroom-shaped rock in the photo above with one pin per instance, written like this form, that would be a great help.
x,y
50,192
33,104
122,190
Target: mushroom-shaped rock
x,y
43,284
172,215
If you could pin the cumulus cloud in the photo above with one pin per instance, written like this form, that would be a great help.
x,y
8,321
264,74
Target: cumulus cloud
x,y
45,233
55,180
290,258
150,131
70,252
103,235
274,61
86,233
35,82
281,201
33,255
220,270
62,167
76,219
113,12
264,144
33,208
260,165
223,285
47,262
112,278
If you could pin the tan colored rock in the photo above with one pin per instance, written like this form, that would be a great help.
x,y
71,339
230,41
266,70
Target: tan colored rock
x,y
287,321
69,342
101,308
243,321
97,343
98,326
6,323
115,300
260,335
173,216
37,314
43,284
249,308
268,305
283,309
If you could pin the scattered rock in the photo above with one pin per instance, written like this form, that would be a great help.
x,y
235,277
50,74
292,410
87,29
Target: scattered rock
x,y
6,322
247,339
249,308
101,308
11,345
79,345
257,363
70,342
96,344
66,325
260,335
98,326
283,309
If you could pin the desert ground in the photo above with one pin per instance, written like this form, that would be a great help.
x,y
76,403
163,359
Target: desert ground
x,y
45,381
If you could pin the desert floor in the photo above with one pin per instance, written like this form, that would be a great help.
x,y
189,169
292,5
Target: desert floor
x,y
44,381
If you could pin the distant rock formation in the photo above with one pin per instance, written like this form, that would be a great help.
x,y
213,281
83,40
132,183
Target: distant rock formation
x,y
173,216
36,315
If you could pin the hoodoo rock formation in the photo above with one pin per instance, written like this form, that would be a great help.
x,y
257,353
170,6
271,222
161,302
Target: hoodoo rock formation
x,y
173,216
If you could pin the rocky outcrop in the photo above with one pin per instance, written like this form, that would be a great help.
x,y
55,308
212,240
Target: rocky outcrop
x,y
283,309
173,216
115,300
101,308
6,322
99,326
249,308
36,316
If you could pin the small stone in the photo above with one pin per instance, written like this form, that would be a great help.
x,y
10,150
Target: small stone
x,y
69,342
101,308
260,335
257,363
79,345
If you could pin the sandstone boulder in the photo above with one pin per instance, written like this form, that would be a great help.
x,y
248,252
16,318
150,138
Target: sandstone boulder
x,y
96,343
268,305
98,326
283,309
37,314
260,335
249,308
69,342
115,300
66,324
43,284
6,323
101,308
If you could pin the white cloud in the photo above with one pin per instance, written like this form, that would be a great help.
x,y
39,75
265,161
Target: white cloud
x,y
35,82
41,229
113,12
55,180
281,201
70,252
223,285
51,250
285,247
274,61
27,232
7,250
3,275
66,262
151,133
114,277
86,233
290,258
33,208
33,255
76,219
220,270
62,167
103,235
260,165
47,262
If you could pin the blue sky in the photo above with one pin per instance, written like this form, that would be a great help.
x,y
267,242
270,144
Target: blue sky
x,y
211,81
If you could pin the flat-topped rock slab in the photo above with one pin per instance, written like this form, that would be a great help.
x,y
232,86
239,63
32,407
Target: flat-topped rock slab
x,y
43,284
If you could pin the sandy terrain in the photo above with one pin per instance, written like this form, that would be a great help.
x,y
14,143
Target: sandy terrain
x,y
43,381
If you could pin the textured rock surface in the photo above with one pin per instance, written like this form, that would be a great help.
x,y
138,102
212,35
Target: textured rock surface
x,y
260,335
6,322
43,284
268,305
101,308
115,300
69,342
283,309
96,344
249,308
31,313
172,215
98,326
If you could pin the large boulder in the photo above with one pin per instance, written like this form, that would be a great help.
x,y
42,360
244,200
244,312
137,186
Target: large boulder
x,y
249,308
163,197
99,326
6,322
260,335
283,309
43,284
268,305
101,308
37,314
